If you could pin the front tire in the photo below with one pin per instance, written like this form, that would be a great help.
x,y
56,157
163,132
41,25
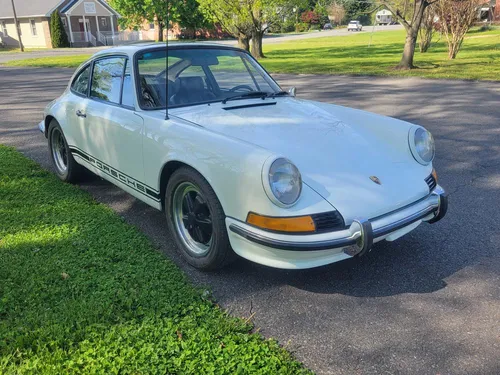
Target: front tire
x,y
197,221
67,169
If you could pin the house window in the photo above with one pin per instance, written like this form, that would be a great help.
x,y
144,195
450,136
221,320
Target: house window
x,y
104,21
4,29
64,22
151,26
33,27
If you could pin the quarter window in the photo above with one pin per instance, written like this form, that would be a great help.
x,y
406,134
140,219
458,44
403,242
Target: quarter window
x,y
107,79
81,82
33,27
127,91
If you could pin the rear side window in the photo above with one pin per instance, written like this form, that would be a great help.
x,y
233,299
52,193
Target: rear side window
x,y
81,82
107,79
128,94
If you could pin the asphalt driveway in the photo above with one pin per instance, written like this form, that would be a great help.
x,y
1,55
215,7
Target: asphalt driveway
x,y
427,304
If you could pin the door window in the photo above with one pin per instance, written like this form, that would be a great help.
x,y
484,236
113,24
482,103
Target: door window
x,y
107,79
81,82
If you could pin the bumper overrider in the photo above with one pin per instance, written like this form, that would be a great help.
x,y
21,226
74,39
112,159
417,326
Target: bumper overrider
x,y
312,250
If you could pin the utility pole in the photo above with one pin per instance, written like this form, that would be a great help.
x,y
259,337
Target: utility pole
x,y
17,27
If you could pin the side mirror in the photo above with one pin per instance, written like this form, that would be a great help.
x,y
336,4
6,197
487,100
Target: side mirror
x,y
292,91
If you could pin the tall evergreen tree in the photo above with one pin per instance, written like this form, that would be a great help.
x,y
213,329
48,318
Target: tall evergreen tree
x,y
57,32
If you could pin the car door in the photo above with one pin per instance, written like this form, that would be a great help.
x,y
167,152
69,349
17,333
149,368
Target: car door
x,y
112,130
75,105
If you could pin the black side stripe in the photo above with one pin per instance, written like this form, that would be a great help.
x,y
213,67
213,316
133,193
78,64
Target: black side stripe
x,y
117,175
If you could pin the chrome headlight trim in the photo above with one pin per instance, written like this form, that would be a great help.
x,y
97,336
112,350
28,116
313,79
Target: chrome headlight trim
x,y
271,166
421,143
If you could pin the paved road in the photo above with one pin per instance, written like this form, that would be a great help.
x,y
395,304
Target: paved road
x,y
427,304
270,39
10,56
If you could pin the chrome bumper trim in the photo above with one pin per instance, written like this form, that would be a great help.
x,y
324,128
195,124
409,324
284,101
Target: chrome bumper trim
x,y
360,234
41,126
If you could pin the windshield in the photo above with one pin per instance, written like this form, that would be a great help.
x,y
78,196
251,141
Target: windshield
x,y
199,75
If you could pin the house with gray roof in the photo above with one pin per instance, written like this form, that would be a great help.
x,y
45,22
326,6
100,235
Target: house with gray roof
x,y
87,22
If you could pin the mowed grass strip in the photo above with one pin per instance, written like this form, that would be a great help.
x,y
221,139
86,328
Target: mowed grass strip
x,y
66,61
378,53
81,291
361,54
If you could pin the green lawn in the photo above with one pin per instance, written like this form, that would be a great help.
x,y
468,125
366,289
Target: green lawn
x,y
9,49
479,58
71,61
81,291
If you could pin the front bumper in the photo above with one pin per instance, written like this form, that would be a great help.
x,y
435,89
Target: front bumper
x,y
41,126
306,251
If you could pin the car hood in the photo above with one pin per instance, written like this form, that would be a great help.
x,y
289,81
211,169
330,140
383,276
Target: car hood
x,y
336,149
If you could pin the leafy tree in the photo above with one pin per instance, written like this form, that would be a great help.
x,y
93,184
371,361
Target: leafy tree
x,y
356,10
427,29
410,13
133,13
184,12
57,33
455,19
336,12
190,16
244,19
231,16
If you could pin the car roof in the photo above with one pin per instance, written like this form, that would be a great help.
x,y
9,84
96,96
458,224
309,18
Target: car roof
x,y
131,49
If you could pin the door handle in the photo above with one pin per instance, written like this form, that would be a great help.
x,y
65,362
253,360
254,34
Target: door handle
x,y
80,114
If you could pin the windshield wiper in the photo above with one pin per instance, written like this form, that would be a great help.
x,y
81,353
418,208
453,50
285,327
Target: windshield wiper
x,y
251,94
279,93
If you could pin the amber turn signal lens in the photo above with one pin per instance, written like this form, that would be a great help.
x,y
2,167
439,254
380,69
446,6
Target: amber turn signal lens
x,y
282,224
435,175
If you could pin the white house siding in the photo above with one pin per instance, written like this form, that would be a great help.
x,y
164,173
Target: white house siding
x,y
41,40
99,11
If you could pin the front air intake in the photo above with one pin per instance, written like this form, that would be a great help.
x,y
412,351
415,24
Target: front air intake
x,y
431,182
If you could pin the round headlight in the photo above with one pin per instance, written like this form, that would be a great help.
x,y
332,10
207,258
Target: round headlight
x,y
285,182
422,145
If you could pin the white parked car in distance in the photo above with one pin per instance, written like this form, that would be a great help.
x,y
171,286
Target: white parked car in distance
x,y
354,26
238,165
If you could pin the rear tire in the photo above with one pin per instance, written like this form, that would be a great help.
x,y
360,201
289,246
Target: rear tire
x,y
197,221
67,169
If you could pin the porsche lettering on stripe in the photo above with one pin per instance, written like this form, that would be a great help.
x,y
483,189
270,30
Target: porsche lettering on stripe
x,y
117,175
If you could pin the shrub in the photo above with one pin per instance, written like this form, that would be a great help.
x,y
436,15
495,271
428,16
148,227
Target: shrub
x,y
287,26
301,27
486,27
310,17
57,32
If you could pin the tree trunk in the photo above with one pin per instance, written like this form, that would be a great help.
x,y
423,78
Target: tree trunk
x,y
408,52
426,31
406,62
244,42
257,45
160,32
425,40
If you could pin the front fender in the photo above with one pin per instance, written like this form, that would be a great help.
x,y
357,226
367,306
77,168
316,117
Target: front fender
x,y
232,167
